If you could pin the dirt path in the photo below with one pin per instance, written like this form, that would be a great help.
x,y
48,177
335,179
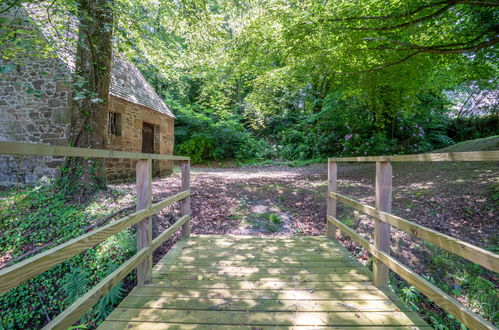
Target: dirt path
x,y
458,199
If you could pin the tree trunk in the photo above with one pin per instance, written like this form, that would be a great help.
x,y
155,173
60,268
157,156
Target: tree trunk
x,y
91,92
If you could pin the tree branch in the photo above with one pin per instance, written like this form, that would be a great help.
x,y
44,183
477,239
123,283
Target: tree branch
x,y
439,49
384,66
9,6
405,24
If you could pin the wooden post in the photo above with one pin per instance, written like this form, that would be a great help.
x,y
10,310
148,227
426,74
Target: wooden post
x,y
144,227
332,176
382,229
186,203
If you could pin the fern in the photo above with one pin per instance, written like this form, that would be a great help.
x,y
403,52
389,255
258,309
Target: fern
x,y
75,284
108,301
112,298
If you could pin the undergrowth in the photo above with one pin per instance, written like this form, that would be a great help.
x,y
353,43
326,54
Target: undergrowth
x,y
41,217
467,282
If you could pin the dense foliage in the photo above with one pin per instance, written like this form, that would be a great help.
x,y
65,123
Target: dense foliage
x,y
296,80
39,217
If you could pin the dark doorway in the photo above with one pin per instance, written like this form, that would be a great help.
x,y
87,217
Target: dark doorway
x,y
148,138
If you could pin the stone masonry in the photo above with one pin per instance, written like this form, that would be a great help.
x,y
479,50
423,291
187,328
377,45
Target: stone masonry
x,y
35,107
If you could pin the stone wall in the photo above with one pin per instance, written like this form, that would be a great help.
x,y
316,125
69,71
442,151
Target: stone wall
x,y
35,107
35,99
132,118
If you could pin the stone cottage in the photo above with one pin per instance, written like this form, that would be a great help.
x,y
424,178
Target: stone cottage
x,y
35,105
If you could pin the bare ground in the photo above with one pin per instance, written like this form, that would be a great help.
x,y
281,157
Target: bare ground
x,y
452,198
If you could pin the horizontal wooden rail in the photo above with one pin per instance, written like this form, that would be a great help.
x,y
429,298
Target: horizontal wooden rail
x,y
473,156
14,148
74,312
169,232
29,268
442,299
465,250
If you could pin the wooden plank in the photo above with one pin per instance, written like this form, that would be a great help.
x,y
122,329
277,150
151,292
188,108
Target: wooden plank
x,y
261,238
473,156
443,300
319,253
347,269
14,148
290,294
246,245
268,239
190,254
332,186
342,262
115,325
155,208
203,257
169,232
74,312
29,268
269,250
334,277
186,203
144,227
262,318
205,282
271,305
382,229
463,249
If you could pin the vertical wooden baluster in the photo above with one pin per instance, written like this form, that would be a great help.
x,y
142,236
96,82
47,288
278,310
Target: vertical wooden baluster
x,y
186,203
332,176
144,227
382,229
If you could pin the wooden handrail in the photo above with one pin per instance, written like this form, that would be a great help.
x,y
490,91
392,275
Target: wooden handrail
x,y
14,148
442,299
169,232
465,250
74,312
142,260
29,268
381,212
473,156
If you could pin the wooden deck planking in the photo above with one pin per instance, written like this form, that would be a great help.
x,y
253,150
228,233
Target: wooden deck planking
x,y
227,282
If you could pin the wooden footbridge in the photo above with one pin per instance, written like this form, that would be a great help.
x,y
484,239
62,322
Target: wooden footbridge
x,y
235,282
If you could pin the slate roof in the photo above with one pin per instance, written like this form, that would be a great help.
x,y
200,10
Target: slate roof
x,y
128,83
126,80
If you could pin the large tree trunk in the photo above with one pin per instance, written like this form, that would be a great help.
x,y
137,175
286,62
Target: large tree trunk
x,y
91,93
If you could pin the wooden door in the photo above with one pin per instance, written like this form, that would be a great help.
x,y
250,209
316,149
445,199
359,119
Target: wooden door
x,y
148,138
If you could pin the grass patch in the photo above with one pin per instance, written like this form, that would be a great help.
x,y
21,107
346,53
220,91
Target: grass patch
x,y
269,222
457,277
486,144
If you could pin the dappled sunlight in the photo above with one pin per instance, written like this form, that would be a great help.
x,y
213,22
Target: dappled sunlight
x,y
244,280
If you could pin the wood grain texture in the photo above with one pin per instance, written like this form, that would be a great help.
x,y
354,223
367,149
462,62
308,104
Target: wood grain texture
x,y
74,312
382,229
473,156
463,249
14,148
186,203
332,186
115,325
169,232
29,268
192,287
144,227
443,300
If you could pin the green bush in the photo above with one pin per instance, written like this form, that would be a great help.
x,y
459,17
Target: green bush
x,y
206,135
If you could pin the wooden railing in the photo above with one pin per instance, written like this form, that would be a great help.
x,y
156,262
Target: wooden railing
x,y
142,260
384,219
